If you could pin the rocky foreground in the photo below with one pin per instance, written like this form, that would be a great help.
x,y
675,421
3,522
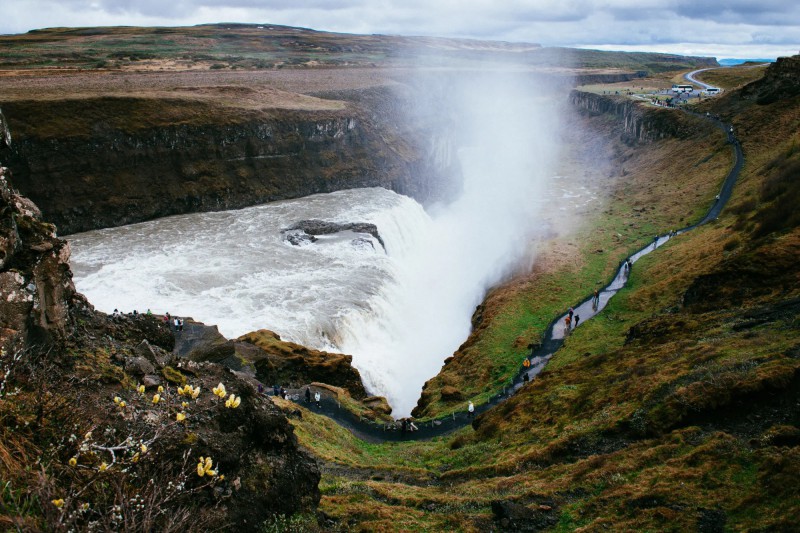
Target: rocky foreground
x,y
104,427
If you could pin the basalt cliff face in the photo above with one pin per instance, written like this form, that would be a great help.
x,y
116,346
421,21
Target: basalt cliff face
x,y
637,123
106,161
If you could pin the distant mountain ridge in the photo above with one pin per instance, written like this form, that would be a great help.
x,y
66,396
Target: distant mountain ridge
x,y
732,61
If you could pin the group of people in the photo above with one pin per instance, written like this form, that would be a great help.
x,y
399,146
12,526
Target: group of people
x,y
279,390
117,314
407,425
171,321
571,320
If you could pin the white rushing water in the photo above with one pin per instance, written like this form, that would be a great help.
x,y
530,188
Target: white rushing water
x,y
235,270
399,313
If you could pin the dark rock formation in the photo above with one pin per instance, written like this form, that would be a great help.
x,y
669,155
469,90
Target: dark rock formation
x,y
36,289
291,364
781,80
322,227
94,163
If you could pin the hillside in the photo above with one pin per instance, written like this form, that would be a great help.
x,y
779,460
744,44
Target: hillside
x,y
267,46
677,408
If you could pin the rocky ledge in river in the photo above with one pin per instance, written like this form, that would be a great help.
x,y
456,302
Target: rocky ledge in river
x,y
307,230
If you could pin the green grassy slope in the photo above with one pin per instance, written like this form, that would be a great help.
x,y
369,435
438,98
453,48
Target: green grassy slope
x,y
675,410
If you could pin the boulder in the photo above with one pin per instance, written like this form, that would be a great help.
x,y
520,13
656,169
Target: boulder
x,y
158,357
138,366
379,404
151,381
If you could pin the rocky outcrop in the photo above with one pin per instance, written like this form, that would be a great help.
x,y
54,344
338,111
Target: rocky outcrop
x,y
264,356
781,80
312,228
291,364
638,123
94,163
5,133
36,289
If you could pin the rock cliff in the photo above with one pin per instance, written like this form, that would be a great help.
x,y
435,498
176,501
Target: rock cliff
x,y
638,123
36,289
109,161
781,81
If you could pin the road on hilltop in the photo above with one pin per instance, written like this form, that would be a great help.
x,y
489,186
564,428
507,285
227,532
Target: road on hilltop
x,y
689,76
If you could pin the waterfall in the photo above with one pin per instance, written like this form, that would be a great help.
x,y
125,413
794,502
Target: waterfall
x,y
401,312
422,314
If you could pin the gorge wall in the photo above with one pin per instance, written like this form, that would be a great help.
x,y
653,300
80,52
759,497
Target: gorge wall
x,y
109,161
638,123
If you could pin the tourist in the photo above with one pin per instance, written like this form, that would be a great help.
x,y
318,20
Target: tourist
x,y
283,393
308,395
567,322
260,388
577,319
471,410
177,323
525,377
317,398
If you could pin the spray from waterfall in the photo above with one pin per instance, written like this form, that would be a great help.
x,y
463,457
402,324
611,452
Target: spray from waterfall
x,y
507,131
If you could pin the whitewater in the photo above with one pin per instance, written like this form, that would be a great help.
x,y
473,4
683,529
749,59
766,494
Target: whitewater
x,y
235,269
399,310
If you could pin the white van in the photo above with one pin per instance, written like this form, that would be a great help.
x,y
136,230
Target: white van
x,y
711,91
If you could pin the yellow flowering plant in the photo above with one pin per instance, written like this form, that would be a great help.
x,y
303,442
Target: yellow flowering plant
x,y
233,401
205,467
220,391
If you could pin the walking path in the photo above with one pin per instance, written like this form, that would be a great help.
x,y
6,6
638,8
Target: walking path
x,y
538,357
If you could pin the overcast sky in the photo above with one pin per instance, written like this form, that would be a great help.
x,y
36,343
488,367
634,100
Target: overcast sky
x,y
722,29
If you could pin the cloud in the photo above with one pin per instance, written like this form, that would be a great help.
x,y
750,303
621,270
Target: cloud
x,y
549,22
